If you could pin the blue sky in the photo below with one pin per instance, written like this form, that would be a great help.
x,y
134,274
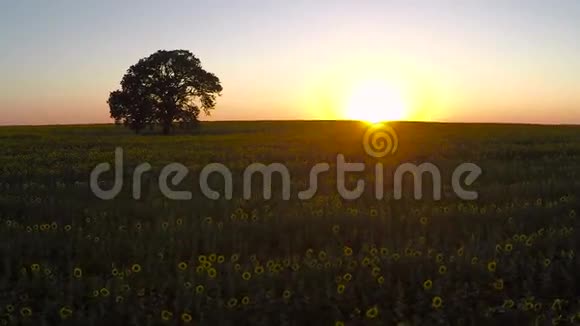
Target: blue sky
x,y
459,60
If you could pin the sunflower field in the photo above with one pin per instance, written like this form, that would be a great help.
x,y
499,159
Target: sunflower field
x,y
68,257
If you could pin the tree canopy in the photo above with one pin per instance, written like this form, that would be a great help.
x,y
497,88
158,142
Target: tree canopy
x,y
166,87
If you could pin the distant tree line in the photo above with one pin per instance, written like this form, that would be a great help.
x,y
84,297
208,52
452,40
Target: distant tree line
x,y
164,88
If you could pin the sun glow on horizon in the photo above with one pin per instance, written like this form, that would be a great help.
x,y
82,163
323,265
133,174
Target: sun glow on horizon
x,y
376,101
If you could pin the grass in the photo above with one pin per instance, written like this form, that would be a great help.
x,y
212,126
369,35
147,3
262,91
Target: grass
x,y
71,258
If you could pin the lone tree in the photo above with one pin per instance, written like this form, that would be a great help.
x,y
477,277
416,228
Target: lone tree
x,y
166,87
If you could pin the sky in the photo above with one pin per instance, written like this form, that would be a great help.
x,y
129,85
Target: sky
x,y
488,61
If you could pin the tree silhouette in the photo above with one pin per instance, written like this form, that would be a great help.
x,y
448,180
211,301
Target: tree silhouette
x,y
166,87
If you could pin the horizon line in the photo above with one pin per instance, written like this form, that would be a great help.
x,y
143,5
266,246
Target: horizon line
x,y
309,120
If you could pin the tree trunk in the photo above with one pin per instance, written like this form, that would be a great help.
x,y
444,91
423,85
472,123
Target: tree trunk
x,y
168,114
166,128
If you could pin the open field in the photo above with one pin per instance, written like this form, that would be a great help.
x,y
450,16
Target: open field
x,y
509,256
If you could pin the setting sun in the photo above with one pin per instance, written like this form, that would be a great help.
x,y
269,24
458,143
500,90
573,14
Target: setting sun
x,y
375,101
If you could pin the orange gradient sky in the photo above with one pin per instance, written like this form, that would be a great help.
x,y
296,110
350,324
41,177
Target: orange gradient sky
x,y
495,61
